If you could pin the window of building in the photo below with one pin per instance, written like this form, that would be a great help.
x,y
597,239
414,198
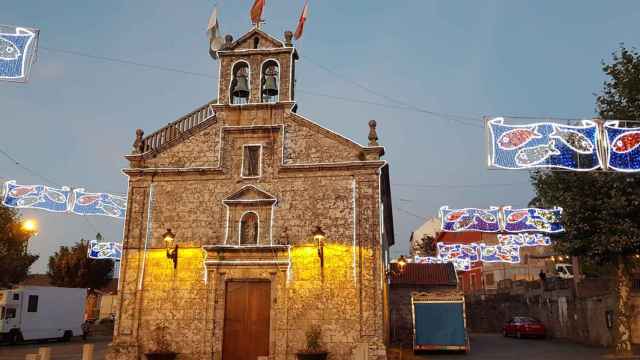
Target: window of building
x,y
249,227
240,88
489,280
33,303
10,313
270,87
16,296
251,162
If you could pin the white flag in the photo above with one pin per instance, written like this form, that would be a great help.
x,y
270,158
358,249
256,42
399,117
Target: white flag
x,y
213,33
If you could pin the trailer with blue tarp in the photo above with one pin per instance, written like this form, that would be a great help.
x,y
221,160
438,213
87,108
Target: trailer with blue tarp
x,y
439,322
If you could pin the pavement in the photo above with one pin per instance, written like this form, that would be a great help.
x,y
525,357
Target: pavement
x,y
483,347
59,350
495,346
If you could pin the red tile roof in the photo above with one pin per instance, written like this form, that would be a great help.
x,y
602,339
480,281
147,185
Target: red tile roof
x,y
423,274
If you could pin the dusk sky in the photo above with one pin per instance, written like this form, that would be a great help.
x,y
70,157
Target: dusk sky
x,y
392,61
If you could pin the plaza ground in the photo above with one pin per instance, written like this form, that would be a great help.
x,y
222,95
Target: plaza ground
x,y
59,350
494,346
483,347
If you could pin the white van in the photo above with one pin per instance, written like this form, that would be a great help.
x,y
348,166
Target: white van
x,y
564,271
41,312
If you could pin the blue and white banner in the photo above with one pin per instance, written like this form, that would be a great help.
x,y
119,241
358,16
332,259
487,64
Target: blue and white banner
x,y
543,145
503,219
500,253
532,220
623,147
18,47
104,250
470,219
99,204
36,197
524,239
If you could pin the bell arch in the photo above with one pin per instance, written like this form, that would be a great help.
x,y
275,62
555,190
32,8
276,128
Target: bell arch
x,y
270,81
240,86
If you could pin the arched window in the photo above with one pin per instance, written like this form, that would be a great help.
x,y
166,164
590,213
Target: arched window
x,y
249,224
270,87
240,83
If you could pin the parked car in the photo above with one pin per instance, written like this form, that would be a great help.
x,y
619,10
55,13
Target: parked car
x,y
523,326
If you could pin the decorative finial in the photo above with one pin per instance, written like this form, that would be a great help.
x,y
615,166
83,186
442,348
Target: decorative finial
x,y
288,37
138,145
228,39
373,136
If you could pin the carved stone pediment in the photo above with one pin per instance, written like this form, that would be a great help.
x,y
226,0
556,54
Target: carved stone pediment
x,y
250,194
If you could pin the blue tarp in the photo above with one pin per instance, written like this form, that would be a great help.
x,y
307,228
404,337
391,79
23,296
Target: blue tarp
x,y
439,324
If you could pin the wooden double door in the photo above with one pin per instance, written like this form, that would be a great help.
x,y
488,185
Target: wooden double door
x,y
246,320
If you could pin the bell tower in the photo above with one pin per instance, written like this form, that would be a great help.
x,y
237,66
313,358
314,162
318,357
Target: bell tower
x,y
257,68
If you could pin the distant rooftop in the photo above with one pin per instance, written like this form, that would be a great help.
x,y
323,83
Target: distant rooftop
x,y
423,274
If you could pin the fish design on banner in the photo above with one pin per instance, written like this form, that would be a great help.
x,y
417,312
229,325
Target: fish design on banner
x,y
573,139
525,239
543,145
532,220
99,204
104,250
36,197
17,52
516,138
500,253
623,147
470,219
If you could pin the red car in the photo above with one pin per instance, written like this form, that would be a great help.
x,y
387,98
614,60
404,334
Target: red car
x,y
523,326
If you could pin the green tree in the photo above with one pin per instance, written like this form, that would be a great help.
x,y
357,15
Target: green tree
x,y
14,258
70,267
602,209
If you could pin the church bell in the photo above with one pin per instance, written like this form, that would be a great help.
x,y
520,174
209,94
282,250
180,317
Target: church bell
x,y
241,86
270,86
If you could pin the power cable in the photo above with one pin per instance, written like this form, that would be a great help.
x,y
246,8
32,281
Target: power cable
x,y
405,106
128,62
456,118
439,186
42,177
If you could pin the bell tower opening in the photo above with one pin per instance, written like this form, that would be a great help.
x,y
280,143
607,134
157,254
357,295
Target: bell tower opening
x,y
240,84
270,81
256,69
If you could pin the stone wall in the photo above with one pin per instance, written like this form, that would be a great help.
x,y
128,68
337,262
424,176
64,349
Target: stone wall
x,y
581,318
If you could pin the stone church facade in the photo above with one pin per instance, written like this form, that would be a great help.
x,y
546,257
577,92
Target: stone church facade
x,y
281,225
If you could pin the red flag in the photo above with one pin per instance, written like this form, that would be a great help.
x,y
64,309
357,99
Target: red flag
x,y
256,11
303,17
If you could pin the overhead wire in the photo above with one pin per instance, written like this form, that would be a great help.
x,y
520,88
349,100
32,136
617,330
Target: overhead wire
x,y
42,177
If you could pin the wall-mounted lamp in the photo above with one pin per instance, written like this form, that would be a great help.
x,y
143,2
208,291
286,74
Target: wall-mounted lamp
x,y
172,250
401,263
319,238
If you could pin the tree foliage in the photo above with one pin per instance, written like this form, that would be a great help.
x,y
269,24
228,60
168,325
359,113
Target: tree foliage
x,y
70,267
14,258
602,209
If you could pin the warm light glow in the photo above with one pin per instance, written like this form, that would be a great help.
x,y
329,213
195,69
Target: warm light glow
x,y
169,237
401,261
30,226
319,236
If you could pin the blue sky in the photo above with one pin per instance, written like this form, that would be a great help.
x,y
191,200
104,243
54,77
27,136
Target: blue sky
x,y
76,118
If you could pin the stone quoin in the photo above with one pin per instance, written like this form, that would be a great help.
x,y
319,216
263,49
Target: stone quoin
x,y
242,182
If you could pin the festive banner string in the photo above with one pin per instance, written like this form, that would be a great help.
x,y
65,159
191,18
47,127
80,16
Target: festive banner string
x,y
503,219
63,199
